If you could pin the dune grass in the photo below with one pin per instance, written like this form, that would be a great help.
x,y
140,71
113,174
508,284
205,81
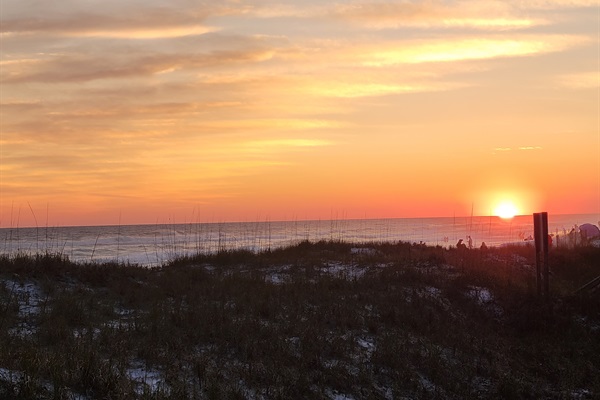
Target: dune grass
x,y
315,320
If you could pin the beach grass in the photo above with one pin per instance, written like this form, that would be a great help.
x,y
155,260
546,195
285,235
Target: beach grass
x,y
324,320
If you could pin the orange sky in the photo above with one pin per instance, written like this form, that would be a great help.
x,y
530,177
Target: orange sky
x,y
171,111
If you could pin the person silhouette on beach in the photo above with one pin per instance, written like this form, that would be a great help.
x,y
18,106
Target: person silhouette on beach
x,y
470,241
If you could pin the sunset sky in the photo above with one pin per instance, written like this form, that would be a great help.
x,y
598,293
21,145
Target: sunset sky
x,y
145,111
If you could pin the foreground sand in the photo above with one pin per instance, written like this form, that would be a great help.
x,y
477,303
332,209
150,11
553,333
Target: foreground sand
x,y
318,320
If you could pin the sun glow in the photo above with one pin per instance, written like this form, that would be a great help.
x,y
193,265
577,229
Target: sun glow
x,y
506,210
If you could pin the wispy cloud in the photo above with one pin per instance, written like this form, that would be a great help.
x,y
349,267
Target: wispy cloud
x,y
557,4
277,145
356,90
529,148
522,148
581,80
74,18
79,68
492,15
469,49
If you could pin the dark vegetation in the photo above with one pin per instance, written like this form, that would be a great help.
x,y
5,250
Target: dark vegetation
x,y
315,320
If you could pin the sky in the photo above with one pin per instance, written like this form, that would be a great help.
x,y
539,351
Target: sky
x,y
161,111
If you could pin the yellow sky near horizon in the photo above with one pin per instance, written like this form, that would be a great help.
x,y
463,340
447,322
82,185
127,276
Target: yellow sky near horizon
x,y
156,111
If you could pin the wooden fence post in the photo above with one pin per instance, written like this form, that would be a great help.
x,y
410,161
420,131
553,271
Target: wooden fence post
x,y
540,227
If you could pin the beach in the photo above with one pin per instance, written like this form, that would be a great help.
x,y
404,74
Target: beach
x,y
325,319
155,244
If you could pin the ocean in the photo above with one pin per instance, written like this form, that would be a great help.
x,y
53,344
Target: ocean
x,y
154,245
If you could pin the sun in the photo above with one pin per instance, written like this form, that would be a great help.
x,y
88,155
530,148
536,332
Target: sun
x,y
506,210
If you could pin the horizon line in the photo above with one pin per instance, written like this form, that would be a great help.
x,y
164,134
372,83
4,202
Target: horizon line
x,y
267,221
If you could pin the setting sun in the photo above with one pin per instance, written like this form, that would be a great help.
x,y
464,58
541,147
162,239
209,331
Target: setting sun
x,y
506,210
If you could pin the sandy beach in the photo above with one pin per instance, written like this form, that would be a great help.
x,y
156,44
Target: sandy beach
x,y
328,320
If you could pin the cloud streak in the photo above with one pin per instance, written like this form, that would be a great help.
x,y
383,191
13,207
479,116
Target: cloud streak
x,y
470,49
73,18
89,67
486,15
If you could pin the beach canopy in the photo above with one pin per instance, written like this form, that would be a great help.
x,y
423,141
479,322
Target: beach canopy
x,y
590,231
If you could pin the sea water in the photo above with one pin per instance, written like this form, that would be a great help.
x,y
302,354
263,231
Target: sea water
x,y
153,245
